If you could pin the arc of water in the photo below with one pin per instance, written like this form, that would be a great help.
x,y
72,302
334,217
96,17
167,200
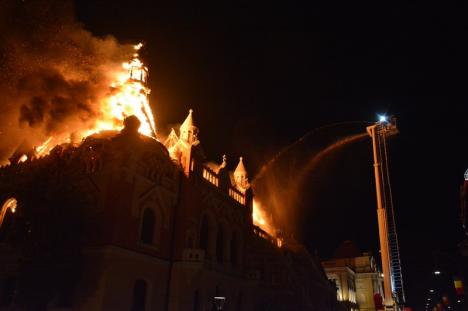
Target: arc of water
x,y
286,149
319,156
295,183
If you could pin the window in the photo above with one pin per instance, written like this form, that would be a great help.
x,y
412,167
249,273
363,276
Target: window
x,y
239,301
147,226
190,240
220,245
196,301
139,296
234,251
204,234
8,291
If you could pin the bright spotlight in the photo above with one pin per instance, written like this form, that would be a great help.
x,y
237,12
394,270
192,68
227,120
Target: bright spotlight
x,y
382,118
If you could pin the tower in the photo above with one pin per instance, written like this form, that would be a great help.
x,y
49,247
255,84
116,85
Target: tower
x,y
188,132
171,140
181,147
241,177
134,97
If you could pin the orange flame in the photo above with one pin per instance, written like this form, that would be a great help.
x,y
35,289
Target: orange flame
x,y
23,158
45,147
129,97
260,218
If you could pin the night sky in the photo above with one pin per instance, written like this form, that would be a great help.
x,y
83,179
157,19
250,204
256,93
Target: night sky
x,y
259,76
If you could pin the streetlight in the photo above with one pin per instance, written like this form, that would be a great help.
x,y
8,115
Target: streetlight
x,y
437,272
219,302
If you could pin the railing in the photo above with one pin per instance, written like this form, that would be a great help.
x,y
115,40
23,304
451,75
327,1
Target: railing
x,y
262,234
210,176
213,178
237,195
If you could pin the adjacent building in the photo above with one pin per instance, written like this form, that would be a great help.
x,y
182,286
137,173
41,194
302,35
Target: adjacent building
x,y
358,280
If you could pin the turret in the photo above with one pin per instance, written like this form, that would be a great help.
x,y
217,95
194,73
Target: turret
x,y
240,176
188,131
224,163
131,125
187,141
171,140
136,70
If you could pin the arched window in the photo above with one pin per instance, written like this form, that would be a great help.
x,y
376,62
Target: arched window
x,y
139,296
196,300
190,240
8,291
239,301
220,245
234,250
147,226
204,234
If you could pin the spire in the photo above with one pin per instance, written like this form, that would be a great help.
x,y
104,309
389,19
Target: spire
x,y
188,131
224,163
171,140
240,176
240,169
188,123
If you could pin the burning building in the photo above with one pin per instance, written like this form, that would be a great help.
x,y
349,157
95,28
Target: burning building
x,y
122,220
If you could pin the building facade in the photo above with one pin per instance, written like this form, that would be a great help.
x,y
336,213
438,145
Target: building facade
x,y
356,276
125,222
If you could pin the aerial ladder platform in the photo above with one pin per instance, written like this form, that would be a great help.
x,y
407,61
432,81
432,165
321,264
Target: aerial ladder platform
x,y
394,295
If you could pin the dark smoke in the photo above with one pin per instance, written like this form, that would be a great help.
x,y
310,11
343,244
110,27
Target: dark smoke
x,y
56,101
54,72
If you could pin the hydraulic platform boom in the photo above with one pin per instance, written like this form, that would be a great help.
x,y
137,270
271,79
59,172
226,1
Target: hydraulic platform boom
x,y
389,249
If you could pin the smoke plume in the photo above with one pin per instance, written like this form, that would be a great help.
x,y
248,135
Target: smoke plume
x,y
54,73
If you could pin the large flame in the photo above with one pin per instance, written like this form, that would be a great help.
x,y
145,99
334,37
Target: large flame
x,y
129,96
261,219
